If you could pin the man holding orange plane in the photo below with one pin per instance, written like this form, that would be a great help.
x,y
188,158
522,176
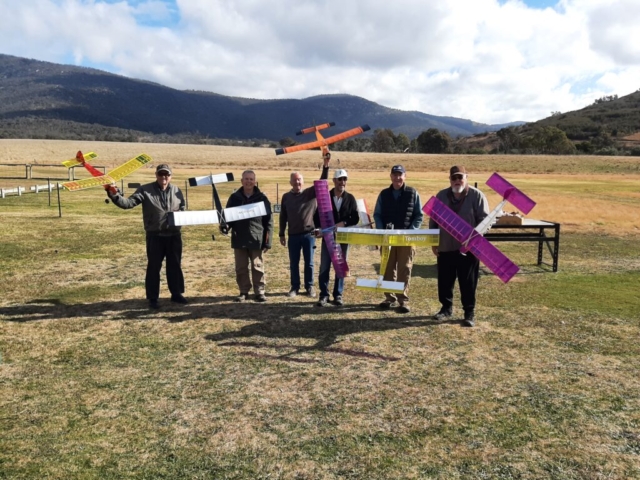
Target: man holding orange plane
x,y
163,241
297,209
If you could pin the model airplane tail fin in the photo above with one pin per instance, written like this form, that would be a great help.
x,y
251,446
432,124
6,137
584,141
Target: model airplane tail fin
x,y
316,128
511,193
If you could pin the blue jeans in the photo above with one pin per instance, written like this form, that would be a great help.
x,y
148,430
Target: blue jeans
x,y
325,268
305,242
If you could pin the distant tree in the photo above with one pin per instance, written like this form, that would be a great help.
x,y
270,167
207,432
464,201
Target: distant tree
x,y
287,142
402,142
383,141
433,141
550,140
509,139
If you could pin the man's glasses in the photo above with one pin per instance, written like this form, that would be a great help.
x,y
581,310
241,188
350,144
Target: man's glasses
x,y
342,179
457,177
163,174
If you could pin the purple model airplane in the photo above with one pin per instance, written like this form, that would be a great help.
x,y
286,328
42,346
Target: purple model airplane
x,y
325,212
472,240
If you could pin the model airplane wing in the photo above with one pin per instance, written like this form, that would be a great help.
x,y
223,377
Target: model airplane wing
x,y
325,212
112,177
212,217
363,213
322,142
87,157
210,179
511,193
470,239
390,238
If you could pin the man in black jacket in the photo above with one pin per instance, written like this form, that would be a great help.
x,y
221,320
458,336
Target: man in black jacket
x,y
398,207
345,214
250,238
158,199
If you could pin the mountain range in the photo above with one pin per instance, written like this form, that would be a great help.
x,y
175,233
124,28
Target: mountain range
x,y
59,101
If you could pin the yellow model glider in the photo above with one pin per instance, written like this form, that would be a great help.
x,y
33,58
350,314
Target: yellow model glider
x,y
76,161
112,177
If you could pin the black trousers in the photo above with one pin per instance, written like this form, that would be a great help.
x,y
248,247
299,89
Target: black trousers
x,y
465,268
159,247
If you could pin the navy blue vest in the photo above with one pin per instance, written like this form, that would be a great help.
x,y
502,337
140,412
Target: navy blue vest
x,y
399,212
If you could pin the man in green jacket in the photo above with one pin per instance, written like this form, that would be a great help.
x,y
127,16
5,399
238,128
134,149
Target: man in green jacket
x,y
250,238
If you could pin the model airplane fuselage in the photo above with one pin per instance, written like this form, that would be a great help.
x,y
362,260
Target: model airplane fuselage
x,y
321,142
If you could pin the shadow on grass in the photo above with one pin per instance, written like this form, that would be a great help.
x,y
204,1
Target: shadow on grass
x,y
325,332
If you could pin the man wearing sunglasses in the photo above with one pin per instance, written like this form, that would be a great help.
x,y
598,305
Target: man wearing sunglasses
x,y
472,206
345,214
163,241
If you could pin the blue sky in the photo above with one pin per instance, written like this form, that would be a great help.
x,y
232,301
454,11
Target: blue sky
x,y
491,61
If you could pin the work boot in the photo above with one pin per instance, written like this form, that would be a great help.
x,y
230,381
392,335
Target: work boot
x,y
387,304
323,302
469,319
443,314
404,308
179,299
153,304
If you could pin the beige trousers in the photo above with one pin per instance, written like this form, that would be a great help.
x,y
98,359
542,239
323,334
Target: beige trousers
x,y
399,270
243,257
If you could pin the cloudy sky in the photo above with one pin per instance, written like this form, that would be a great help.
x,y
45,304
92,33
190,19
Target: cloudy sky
x,y
490,61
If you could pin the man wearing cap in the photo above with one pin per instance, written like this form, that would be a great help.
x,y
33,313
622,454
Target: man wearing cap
x,y
250,238
345,214
398,207
472,206
158,199
297,209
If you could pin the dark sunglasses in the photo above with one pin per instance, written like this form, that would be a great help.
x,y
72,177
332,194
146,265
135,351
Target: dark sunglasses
x,y
457,177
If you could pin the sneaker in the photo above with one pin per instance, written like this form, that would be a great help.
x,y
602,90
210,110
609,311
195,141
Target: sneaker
x,y
338,301
443,314
469,319
387,304
179,299
311,292
292,293
260,297
404,308
240,298
323,302
154,304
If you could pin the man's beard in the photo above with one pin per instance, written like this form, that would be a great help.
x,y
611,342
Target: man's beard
x,y
458,189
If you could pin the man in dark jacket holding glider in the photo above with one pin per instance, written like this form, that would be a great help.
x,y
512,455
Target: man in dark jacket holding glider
x,y
250,239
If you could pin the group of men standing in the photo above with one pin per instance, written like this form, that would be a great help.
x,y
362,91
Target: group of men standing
x,y
398,207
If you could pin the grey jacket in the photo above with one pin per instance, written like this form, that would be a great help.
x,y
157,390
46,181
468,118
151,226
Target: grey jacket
x,y
155,206
473,209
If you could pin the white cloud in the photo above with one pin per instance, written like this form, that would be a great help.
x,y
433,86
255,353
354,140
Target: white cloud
x,y
485,60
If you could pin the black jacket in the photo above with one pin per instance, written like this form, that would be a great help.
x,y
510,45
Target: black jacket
x,y
252,233
348,212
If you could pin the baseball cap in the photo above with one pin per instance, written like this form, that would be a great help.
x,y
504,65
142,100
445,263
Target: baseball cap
x,y
163,167
398,169
457,170
341,172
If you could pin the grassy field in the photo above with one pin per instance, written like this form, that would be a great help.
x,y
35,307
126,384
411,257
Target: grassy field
x,y
94,385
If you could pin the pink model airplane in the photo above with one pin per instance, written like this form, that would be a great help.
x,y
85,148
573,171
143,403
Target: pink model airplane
x,y
472,239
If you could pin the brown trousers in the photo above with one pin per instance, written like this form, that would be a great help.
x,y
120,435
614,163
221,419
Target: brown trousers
x,y
399,270
243,257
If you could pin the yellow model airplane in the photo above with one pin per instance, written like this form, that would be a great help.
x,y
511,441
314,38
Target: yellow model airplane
x,y
386,239
98,179
86,157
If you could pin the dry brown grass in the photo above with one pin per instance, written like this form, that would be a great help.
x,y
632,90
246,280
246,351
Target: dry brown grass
x,y
94,385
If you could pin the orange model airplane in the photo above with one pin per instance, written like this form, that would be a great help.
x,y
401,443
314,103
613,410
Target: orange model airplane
x,y
321,142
